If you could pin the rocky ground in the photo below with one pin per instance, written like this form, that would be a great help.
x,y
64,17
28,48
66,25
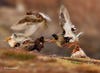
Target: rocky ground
x,y
19,61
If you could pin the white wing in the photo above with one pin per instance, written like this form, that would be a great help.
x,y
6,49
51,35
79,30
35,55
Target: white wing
x,y
64,15
31,30
45,16
65,18
67,25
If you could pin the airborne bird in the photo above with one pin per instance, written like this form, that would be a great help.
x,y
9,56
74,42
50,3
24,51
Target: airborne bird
x,y
67,26
68,36
32,22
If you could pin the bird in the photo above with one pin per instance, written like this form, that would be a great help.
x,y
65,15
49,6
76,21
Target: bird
x,y
16,39
66,24
32,21
69,30
68,36
37,44
78,53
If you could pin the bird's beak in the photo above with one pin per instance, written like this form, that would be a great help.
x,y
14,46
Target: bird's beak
x,y
7,39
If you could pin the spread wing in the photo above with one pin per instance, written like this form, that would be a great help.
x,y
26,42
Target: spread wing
x,y
66,24
64,16
45,16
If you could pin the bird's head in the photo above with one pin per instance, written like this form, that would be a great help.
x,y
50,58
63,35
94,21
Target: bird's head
x,y
55,36
11,40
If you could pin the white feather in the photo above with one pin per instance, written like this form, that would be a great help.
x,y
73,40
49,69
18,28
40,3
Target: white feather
x,y
18,27
77,36
45,16
31,30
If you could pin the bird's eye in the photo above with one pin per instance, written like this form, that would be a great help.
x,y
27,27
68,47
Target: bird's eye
x,y
73,29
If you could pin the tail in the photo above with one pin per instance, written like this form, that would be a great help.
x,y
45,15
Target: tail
x,y
45,16
77,36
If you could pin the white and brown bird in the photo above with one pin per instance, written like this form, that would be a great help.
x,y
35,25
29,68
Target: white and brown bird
x,y
32,22
18,40
68,37
68,28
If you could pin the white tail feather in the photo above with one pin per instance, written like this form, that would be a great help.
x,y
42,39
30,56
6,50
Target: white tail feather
x,y
77,36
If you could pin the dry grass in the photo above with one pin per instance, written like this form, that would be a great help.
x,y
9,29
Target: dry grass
x,y
17,55
18,61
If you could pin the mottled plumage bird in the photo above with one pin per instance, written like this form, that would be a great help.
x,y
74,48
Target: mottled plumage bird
x,y
68,38
18,40
67,26
69,34
32,22
69,31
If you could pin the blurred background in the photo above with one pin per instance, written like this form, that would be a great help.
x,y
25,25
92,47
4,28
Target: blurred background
x,y
85,14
